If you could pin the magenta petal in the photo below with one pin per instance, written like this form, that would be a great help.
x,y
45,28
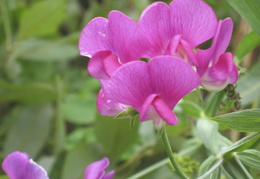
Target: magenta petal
x,y
130,84
94,37
193,19
164,111
103,64
147,111
110,175
172,78
122,30
154,29
108,107
96,170
17,165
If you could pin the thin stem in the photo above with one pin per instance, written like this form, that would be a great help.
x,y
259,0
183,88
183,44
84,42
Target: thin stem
x,y
212,169
170,154
150,169
7,25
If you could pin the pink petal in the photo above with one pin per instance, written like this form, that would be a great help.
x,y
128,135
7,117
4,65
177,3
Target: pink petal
x,y
220,74
172,78
108,107
110,175
154,29
96,170
103,64
219,45
17,165
130,84
122,30
193,19
94,37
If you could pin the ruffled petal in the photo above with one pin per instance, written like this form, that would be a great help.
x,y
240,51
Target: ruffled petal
x,y
94,37
154,29
193,19
17,165
121,32
96,170
107,107
103,64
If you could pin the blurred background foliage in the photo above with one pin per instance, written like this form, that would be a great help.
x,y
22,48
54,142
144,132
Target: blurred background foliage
x,y
47,98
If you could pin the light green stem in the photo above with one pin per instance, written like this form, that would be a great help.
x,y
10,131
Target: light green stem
x,y
170,154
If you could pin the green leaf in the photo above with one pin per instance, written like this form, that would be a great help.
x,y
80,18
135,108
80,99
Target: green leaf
x,y
248,43
249,86
46,50
42,18
234,169
30,130
33,92
207,164
4,177
190,109
119,135
248,9
250,157
244,121
242,144
77,160
79,110
212,103
208,133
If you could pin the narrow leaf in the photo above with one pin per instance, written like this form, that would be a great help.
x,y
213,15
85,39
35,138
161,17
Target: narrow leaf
x,y
244,121
250,157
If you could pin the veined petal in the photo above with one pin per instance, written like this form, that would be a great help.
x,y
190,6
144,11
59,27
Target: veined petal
x,y
193,19
121,32
154,29
103,64
107,107
94,37
172,78
17,165
96,170
130,84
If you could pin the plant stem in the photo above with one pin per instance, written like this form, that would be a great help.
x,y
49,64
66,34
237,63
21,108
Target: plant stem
x,y
170,154
212,169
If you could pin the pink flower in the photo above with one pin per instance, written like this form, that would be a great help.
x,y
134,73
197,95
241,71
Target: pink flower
x,y
17,165
175,29
153,88
97,170
109,43
216,68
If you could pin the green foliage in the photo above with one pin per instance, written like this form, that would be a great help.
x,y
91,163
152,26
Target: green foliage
x,y
243,121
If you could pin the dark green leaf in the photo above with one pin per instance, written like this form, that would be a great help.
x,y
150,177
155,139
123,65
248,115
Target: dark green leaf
x,y
33,92
42,18
115,135
248,43
244,121
249,85
248,9
30,130
250,157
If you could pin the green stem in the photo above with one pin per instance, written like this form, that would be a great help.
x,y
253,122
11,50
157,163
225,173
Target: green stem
x,y
7,24
212,169
170,154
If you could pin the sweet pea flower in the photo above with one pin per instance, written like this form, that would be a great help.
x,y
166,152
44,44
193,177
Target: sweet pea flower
x,y
175,29
109,43
153,88
97,170
17,165
216,68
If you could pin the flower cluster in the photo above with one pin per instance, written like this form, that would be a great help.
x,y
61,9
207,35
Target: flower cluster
x,y
167,36
17,165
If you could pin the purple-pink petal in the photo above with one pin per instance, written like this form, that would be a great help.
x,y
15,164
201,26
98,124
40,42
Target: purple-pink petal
x,y
161,82
193,19
17,165
96,170
94,37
